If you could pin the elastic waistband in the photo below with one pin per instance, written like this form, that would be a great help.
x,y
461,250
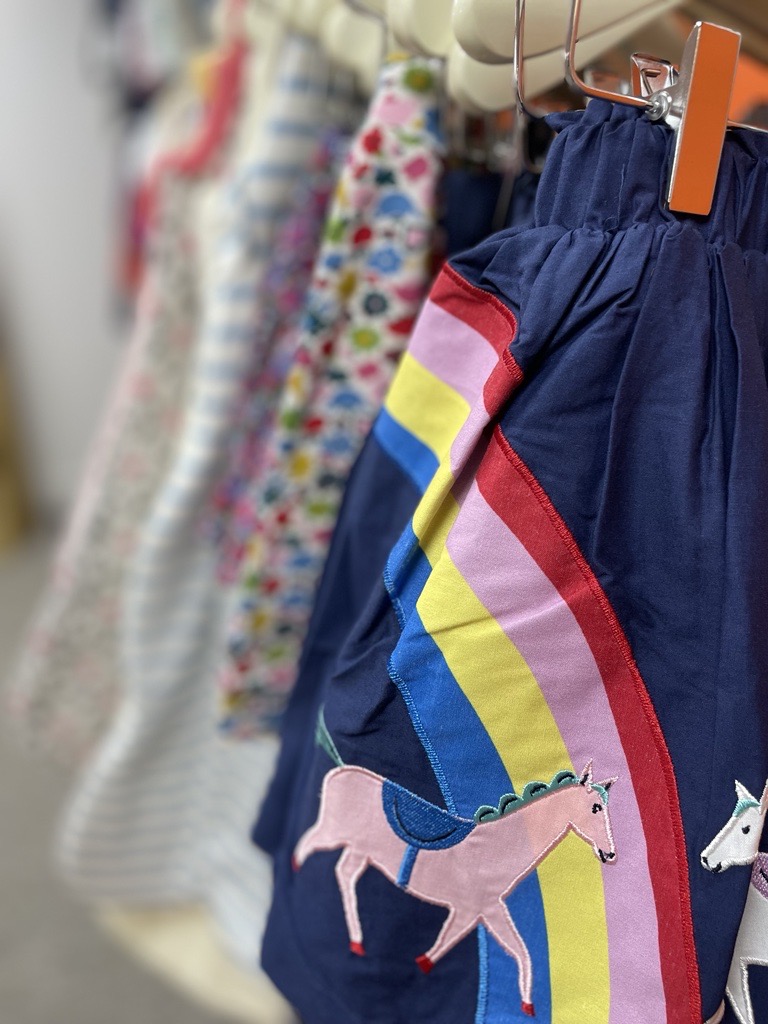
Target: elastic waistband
x,y
608,169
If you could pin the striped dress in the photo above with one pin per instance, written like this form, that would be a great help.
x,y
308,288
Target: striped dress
x,y
162,815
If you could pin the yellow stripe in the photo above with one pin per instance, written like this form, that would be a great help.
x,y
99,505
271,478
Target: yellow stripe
x,y
426,406
495,678
498,683
434,413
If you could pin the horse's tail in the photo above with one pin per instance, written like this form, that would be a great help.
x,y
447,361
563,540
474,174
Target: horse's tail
x,y
324,739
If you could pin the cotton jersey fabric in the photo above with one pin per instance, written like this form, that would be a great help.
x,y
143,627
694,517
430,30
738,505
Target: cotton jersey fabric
x,y
572,458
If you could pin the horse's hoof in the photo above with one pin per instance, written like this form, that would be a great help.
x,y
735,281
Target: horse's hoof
x,y
528,1010
294,863
357,948
425,964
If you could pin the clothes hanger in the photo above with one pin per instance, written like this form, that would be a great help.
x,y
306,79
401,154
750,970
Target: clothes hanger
x,y
483,29
750,17
542,72
487,32
694,101
478,88
354,42
377,11
483,26
422,26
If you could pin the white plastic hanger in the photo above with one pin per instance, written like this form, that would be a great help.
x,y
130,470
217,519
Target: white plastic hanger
x,y
693,102
354,42
478,88
482,28
422,26
486,30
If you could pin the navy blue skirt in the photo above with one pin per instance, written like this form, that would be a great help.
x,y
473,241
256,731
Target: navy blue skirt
x,y
544,618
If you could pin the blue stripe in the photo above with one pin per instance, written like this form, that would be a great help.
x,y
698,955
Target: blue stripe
x,y
448,725
227,331
452,725
240,291
205,437
415,459
267,211
215,404
481,1012
405,588
297,128
406,866
301,83
215,370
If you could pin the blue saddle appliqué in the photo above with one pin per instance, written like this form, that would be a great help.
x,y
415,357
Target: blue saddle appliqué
x,y
420,824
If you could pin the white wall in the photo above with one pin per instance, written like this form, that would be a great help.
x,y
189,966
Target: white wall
x,y
56,249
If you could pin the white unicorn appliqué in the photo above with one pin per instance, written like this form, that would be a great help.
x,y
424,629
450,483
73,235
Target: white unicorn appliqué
x,y
737,844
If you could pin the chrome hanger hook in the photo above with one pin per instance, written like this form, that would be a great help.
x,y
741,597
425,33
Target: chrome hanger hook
x,y
572,75
518,61
518,66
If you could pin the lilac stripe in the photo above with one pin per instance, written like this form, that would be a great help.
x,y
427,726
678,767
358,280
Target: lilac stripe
x,y
465,442
542,627
453,351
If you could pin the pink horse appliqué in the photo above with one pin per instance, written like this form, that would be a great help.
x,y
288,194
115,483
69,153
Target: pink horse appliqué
x,y
509,843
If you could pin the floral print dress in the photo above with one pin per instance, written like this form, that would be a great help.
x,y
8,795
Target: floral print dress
x,y
231,520
65,687
370,278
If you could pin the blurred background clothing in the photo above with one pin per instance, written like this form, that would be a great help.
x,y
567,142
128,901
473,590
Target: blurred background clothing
x,y
217,232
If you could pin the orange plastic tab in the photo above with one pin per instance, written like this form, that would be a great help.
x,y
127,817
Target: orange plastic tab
x,y
708,71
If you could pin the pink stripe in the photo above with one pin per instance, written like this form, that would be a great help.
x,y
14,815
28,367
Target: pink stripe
x,y
466,441
541,626
462,358
453,351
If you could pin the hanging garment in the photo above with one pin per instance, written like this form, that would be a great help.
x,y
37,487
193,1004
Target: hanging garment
x,y
476,202
370,278
163,812
65,687
531,733
522,201
377,505
230,523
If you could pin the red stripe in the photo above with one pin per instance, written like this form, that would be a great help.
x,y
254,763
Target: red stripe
x,y
482,311
502,381
518,499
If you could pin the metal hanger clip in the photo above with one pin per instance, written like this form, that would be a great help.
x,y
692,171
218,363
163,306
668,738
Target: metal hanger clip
x,y
693,101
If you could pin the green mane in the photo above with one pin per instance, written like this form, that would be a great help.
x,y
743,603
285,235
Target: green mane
x,y
511,802
744,805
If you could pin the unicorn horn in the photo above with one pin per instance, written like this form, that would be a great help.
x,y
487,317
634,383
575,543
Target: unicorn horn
x,y
743,793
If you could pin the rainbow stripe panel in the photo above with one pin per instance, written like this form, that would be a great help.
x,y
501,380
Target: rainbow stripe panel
x,y
514,667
